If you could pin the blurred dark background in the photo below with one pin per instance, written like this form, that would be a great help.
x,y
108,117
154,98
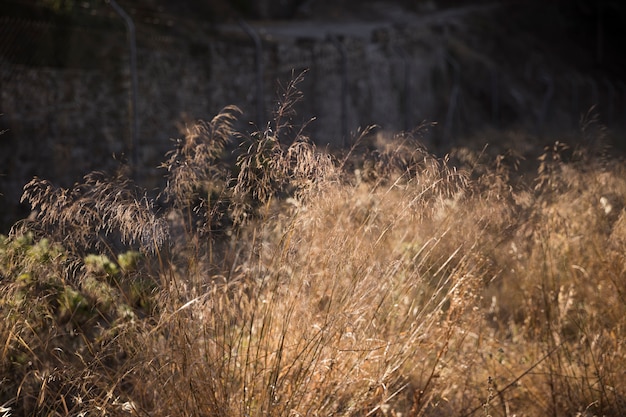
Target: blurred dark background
x,y
476,68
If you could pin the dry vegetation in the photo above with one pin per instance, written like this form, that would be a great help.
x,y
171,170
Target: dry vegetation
x,y
383,282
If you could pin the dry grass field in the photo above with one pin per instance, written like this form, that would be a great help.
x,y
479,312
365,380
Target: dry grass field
x,y
381,282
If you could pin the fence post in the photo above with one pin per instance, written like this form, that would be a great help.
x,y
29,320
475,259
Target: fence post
x,y
452,105
495,97
258,60
595,94
575,99
610,98
622,88
130,26
407,88
545,104
344,87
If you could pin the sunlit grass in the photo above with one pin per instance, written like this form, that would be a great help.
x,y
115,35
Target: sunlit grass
x,y
382,282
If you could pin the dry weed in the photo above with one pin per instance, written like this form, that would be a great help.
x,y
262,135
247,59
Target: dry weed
x,y
409,287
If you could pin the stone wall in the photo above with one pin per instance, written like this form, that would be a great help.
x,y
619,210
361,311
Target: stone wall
x,y
65,120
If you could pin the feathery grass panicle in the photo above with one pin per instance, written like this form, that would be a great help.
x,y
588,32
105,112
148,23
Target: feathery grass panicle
x,y
194,165
92,214
271,164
